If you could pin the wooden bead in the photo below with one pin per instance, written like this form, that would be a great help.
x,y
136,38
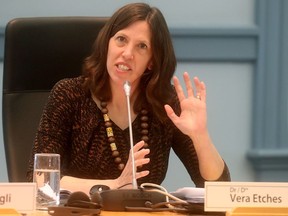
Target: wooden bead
x,y
144,125
144,132
103,104
104,110
117,160
144,112
121,166
111,139
146,145
144,118
145,138
108,124
115,153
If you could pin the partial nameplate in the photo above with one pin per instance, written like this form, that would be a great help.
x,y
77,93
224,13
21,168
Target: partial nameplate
x,y
223,196
19,196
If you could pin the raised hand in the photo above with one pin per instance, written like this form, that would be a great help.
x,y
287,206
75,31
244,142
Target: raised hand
x,y
193,117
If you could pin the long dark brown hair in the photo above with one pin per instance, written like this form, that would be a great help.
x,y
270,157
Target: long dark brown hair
x,y
155,87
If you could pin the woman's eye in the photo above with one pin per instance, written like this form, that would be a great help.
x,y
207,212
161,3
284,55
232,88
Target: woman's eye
x,y
120,39
143,46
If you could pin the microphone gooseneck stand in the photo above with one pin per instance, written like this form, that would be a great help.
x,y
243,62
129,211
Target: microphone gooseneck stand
x,y
123,199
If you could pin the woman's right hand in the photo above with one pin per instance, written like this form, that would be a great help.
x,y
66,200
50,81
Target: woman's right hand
x,y
126,176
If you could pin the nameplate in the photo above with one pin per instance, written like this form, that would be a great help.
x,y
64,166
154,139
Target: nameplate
x,y
19,196
223,196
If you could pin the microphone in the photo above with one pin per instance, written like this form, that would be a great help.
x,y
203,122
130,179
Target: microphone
x,y
130,199
78,203
127,89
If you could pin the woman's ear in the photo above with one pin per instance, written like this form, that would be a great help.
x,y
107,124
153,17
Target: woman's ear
x,y
150,66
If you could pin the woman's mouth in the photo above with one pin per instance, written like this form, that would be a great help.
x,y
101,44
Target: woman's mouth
x,y
123,67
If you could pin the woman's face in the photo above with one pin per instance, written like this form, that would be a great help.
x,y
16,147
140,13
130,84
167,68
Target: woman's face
x,y
129,54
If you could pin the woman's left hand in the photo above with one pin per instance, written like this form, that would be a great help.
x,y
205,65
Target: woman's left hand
x,y
193,117
192,121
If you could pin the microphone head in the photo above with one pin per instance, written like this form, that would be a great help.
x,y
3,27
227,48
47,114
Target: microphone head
x,y
81,200
96,198
78,203
127,87
78,195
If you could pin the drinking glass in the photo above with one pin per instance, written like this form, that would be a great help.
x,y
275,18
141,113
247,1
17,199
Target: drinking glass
x,y
47,177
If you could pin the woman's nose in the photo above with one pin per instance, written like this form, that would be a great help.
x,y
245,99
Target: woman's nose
x,y
128,53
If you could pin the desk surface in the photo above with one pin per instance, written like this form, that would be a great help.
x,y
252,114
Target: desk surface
x,y
110,213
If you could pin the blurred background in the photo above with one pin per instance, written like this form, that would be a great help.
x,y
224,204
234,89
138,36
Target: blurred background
x,y
238,48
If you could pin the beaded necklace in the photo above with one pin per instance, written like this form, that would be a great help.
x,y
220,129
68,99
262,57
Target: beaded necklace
x,y
110,134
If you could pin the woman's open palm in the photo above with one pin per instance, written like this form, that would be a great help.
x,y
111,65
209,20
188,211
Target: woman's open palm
x,y
193,117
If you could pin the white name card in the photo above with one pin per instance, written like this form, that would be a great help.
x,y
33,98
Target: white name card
x,y
223,196
19,196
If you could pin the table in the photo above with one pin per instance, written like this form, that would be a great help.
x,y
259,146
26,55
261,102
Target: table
x,y
248,211
110,213
12,212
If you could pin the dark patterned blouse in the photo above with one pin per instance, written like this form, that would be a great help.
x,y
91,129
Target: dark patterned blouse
x,y
73,126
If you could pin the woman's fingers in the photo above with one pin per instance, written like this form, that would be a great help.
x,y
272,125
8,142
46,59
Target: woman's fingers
x,y
142,174
188,84
141,162
140,159
140,154
139,151
138,146
200,89
178,88
170,113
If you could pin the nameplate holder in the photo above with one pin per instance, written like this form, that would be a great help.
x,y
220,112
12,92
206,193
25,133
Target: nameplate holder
x,y
258,211
18,196
225,196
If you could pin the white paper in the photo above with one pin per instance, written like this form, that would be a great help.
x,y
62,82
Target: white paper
x,y
190,194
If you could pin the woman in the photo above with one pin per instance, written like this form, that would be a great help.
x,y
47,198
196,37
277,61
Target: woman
x,y
86,120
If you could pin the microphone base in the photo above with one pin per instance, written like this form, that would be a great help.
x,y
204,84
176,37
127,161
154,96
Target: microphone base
x,y
121,199
66,210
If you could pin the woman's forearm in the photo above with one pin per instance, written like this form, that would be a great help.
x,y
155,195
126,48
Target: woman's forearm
x,y
211,164
79,184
